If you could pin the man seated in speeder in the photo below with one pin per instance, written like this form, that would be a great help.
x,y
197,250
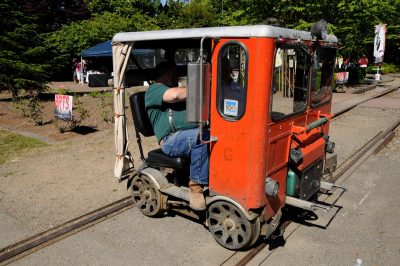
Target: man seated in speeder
x,y
165,104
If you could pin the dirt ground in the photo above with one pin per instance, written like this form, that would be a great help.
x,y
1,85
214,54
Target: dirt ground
x,y
48,186
12,119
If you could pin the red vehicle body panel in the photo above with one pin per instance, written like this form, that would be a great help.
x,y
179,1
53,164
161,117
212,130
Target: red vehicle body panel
x,y
254,147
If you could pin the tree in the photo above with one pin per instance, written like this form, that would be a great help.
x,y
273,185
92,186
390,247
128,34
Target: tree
x,y
70,40
196,14
355,27
170,15
124,8
352,21
52,14
70,26
22,57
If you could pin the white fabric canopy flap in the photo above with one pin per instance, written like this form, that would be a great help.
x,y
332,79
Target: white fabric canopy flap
x,y
121,53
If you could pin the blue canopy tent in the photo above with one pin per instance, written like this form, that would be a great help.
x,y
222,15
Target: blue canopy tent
x,y
104,49
100,50
102,53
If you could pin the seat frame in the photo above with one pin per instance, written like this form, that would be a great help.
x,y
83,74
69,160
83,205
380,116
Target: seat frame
x,y
155,158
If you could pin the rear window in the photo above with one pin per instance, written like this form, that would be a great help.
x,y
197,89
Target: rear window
x,y
146,58
183,56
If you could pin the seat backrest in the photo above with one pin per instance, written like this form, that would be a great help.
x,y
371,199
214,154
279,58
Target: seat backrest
x,y
140,118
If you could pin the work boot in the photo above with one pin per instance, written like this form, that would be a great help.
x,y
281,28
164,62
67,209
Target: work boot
x,y
196,197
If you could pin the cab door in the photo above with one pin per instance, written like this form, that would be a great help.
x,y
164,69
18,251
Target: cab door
x,y
239,111
229,120
288,107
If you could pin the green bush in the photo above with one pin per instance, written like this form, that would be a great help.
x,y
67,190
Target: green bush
x,y
20,107
356,75
107,110
384,69
35,111
29,108
94,94
63,91
80,114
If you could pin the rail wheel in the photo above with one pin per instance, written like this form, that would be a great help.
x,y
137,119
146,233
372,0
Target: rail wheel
x,y
229,227
146,196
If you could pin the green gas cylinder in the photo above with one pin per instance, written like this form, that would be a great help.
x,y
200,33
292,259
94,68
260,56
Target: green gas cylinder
x,y
292,184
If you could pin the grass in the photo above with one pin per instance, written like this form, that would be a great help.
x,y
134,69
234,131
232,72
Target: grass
x,y
384,69
12,144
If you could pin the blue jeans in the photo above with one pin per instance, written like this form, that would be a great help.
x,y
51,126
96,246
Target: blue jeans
x,y
186,143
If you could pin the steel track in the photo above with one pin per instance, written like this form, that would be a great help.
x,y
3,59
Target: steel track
x,y
43,239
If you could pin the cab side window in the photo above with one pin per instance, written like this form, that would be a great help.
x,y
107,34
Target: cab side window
x,y
232,81
322,75
290,82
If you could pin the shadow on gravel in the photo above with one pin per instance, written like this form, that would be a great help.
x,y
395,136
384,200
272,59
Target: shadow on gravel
x,y
276,242
84,130
47,123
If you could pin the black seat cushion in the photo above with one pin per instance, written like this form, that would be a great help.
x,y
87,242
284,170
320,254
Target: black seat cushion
x,y
158,158
139,114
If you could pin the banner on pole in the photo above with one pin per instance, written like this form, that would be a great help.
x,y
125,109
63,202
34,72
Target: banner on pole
x,y
63,106
379,43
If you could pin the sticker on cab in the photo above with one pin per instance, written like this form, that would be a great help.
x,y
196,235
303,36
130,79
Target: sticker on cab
x,y
231,107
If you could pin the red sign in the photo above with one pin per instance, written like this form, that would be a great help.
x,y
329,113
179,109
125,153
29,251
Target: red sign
x,y
342,77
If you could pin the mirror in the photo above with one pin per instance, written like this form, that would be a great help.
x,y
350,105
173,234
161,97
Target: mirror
x,y
198,99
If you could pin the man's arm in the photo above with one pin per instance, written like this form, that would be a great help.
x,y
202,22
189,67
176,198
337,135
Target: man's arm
x,y
173,95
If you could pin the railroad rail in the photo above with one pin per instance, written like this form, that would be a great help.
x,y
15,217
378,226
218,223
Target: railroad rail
x,y
20,249
27,246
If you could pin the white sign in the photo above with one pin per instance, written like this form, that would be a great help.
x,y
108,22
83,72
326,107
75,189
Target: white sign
x,y
379,43
231,107
63,106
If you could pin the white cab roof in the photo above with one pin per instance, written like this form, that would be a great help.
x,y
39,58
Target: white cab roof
x,y
221,32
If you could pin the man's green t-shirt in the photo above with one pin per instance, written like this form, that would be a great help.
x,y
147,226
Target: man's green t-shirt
x,y
158,112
